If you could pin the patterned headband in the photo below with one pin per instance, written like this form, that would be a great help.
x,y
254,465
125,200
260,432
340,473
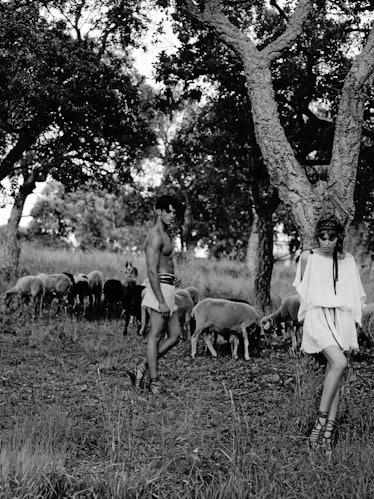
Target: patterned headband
x,y
329,225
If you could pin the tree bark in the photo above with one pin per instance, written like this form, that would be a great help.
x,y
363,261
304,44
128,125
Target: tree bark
x,y
251,258
305,201
12,247
23,144
265,261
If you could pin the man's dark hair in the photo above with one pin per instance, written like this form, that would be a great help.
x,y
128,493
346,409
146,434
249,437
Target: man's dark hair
x,y
163,203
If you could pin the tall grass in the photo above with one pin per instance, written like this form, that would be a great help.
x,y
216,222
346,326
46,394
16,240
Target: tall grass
x,y
34,260
73,427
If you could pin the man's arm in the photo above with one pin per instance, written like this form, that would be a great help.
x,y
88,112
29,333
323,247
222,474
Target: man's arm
x,y
152,256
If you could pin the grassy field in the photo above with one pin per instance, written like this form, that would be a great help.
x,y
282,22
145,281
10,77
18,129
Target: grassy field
x,y
73,427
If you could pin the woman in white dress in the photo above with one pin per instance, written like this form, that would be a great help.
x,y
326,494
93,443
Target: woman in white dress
x,y
331,298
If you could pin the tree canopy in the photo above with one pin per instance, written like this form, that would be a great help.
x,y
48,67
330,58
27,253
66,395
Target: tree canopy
x,y
265,39
91,218
82,113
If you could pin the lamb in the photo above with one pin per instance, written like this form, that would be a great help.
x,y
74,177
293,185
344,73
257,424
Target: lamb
x,y
224,316
28,289
285,314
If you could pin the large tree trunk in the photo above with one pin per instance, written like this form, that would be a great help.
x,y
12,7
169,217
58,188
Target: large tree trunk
x,y
304,200
264,269
12,247
251,258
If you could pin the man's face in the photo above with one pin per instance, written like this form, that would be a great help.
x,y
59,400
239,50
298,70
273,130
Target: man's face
x,y
168,215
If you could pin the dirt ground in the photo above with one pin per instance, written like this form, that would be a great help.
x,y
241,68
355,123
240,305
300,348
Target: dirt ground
x,y
72,378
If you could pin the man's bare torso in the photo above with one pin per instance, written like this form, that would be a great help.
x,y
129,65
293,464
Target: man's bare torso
x,y
160,241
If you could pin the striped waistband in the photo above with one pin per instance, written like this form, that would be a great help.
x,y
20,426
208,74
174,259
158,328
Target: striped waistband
x,y
170,279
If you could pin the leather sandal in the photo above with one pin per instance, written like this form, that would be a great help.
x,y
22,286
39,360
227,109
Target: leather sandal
x,y
315,436
140,372
156,386
327,437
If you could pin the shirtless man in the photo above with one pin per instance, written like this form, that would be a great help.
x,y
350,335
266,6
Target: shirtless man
x,y
160,292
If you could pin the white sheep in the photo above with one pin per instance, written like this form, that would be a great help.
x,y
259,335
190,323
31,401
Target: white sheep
x,y
367,323
194,294
95,283
286,314
185,305
28,289
57,286
225,317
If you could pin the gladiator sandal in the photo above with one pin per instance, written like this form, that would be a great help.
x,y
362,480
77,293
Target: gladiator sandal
x,y
140,372
156,386
317,430
327,437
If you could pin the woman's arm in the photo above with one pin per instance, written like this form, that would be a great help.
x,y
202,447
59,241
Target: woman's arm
x,y
303,259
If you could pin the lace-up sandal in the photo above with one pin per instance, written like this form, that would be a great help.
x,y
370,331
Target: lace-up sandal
x,y
315,436
156,386
327,437
140,372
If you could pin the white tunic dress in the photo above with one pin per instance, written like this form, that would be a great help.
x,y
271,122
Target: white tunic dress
x,y
329,318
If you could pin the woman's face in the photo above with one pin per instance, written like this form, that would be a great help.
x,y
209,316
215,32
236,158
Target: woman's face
x,y
327,242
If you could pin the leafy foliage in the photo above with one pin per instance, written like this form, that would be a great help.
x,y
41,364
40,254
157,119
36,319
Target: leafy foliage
x,y
307,78
94,219
81,110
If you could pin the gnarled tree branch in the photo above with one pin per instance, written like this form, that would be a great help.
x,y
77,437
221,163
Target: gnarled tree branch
x,y
293,30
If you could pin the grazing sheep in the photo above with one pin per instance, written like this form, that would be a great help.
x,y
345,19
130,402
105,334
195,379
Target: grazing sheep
x,y
113,297
57,286
95,283
71,294
132,301
185,305
231,339
28,289
82,292
128,288
194,294
366,331
287,315
224,316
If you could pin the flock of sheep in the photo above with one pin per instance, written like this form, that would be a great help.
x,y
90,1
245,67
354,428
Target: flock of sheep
x,y
66,290
233,319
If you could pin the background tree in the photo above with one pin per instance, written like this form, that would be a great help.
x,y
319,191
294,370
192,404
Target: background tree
x,y
92,218
79,109
304,200
307,80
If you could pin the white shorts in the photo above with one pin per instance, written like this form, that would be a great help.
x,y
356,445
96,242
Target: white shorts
x,y
150,300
